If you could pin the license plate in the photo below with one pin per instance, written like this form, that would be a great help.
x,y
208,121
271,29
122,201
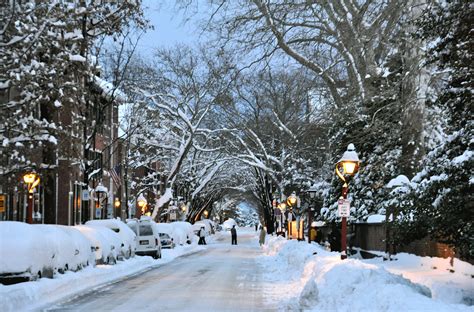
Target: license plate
x,y
144,242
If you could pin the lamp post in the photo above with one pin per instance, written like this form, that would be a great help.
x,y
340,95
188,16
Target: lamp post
x,y
32,180
346,167
206,213
101,192
282,207
312,194
291,201
117,205
142,202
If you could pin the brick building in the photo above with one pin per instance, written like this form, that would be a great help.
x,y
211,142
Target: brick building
x,y
82,179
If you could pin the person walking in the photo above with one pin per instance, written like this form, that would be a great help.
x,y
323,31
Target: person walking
x,y
233,233
202,236
262,236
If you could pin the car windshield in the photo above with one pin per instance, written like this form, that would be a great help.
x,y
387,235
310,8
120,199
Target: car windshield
x,y
145,230
164,235
133,227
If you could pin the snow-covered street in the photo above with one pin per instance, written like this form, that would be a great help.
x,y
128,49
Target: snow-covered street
x,y
221,277
280,276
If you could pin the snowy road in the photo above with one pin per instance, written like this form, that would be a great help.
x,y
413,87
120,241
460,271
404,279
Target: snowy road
x,y
223,277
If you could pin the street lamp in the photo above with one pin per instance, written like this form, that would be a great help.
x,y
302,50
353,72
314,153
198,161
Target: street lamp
x,y
313,190
101,192
142,202
291,200
346,167
32,180
206,213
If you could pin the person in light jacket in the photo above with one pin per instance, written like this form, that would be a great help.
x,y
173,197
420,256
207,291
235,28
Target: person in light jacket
x,y
202,236
262,236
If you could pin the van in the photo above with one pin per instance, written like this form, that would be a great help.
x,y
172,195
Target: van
x,y
147,239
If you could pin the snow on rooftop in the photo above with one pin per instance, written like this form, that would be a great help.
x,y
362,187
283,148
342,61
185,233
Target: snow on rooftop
x,y
376,218
110,91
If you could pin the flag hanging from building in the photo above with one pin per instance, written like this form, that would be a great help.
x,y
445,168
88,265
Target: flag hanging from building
x,y
115,173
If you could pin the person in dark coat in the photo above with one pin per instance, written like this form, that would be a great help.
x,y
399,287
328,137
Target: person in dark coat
x,y
335,238
261,240
233,233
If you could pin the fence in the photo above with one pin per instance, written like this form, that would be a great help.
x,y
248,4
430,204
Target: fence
x,y
372,236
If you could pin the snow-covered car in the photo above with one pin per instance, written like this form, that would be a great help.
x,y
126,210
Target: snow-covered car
x,y
72,249
106,244
24,253
228,224
166,241
209,224
147,238
127,236
182,232
167,228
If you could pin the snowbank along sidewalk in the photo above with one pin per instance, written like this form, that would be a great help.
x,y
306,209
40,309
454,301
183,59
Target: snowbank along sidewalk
x,y
301,276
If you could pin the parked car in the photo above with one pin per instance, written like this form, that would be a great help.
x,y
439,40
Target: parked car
x,y
228,224
182,232
127,236
72,250
166,241
147,238
106,244
24,253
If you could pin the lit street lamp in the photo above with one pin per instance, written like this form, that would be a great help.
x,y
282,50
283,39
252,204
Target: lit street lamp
x,y
206,213
101,192
346,167
291,202
142,202
32,180
312,194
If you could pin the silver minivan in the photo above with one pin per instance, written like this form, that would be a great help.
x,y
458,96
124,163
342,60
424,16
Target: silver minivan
x,y
147,239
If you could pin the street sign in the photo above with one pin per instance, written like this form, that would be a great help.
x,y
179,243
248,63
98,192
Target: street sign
x,y
2,203
85,195
344,207
173,216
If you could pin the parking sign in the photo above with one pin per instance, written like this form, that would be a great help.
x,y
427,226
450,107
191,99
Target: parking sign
x,y
344,207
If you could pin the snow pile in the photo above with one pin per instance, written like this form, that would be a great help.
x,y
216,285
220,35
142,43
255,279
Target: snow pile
x,y
448,284
306,277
